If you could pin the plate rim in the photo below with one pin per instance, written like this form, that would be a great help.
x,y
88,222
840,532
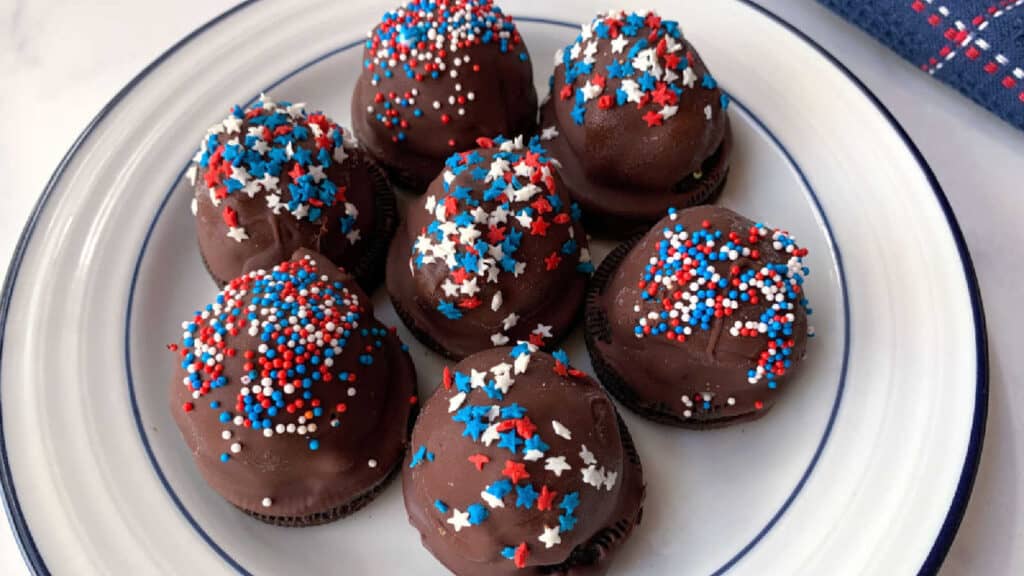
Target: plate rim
x,y
961,497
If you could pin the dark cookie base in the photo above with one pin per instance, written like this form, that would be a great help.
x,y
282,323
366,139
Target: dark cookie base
x,y
369,273
333,514
596,328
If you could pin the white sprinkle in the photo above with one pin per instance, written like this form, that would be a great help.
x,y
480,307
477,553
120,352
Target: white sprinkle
x,y
561,430
267,502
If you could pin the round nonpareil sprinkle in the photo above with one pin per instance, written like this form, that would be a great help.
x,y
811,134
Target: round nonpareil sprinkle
x,y
427,41
301,323
696,277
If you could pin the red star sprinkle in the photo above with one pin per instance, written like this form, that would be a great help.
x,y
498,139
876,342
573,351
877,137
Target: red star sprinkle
x,y
552,261
230,217
540,226
479,460
447,378
546,498
525,428
515,471
522,553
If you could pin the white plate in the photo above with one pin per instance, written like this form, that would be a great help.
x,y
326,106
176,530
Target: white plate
x,y
864,467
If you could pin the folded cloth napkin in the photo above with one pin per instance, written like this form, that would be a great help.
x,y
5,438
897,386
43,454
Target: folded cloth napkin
x,y
977,46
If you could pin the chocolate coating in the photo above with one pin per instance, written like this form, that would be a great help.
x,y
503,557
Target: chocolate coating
x,y
256,213
485,259
703,379
410,122
360,410
574,444
636,137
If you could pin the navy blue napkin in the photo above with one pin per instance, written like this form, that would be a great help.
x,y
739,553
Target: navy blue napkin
x,y
976,46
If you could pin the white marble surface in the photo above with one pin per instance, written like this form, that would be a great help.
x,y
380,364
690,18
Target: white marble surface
x,y
62,60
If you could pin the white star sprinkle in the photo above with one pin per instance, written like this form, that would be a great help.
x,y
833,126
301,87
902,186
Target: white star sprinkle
x,y
542,330
689,78
586,455
459,519
668,111
274,203
451,289
499,339
521,363
556,464
593,476
455,402
510,321
269,182
707,111
533,455
498,168
591,91
619,44
353,236
317,172
232,124
477,379
496,301
301,211
237,233
492,500
561,430
550,537
490,435
549,133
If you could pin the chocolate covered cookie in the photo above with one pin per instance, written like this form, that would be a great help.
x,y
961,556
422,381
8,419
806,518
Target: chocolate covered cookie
x,y
271,179
437,75
493,254
698,322
521,465
637,121
295,402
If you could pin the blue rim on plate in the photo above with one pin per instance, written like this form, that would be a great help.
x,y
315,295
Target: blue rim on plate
x,y
965,484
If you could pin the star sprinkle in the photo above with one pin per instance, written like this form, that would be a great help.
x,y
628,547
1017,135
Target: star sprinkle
x,y
459,519
557,464
494,200
425,42
649,59
277,156
550,537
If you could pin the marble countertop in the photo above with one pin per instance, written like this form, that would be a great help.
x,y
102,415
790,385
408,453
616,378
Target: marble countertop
x,y
62,61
